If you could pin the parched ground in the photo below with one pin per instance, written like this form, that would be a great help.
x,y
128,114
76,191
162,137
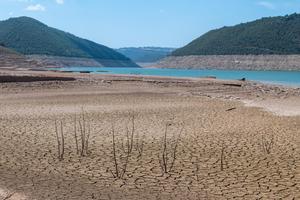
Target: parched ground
x,y
214,148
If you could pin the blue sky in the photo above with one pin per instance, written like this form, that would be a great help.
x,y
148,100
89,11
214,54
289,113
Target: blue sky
x,y
123,23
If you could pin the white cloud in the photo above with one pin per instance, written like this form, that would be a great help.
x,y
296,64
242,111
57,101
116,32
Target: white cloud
x,y
267,5
22,1
11,13
36,7
60,1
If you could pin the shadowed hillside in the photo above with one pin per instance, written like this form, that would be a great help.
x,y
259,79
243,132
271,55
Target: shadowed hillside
x,y
29,36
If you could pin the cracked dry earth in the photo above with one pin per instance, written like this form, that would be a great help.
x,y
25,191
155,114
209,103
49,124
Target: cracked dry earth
x,y
244,153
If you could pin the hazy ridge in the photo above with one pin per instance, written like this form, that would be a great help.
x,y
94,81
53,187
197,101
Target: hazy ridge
x,y
145,54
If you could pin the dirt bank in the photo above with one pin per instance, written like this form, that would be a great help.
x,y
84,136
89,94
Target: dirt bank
x,y
234,62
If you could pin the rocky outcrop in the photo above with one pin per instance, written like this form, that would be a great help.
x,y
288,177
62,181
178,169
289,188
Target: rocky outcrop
x,y
12,60
234,62
54,61
57,61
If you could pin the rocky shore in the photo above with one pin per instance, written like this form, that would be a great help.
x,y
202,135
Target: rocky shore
x,y
234,62
58,61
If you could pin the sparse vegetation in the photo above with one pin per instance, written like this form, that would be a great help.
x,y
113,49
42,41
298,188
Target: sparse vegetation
x,y
75,135
121,161
60,138
150,153
222,157
267,143
85,132
168,154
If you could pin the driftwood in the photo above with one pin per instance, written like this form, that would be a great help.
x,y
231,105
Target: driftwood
x,y
230,109
13,79
210,77
232,84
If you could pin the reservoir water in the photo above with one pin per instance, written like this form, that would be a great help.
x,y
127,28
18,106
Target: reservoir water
x,y
291,78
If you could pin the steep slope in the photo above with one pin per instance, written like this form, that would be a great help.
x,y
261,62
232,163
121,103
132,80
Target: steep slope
x,y
6,51
145,54
11,59
29,36
273,35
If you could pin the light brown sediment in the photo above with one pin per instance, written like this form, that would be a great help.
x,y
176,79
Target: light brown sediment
x,y
220,154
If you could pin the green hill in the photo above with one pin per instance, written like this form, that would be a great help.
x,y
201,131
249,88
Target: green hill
x,y
29,36
272,35
145,54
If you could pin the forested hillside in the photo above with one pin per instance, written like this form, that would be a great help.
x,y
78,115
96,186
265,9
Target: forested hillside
x,y
273,35
29,36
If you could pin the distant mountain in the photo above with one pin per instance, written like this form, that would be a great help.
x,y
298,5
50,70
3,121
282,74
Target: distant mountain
x,y
272,35
145,54
29,36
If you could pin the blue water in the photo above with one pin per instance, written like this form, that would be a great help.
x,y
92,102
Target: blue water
x,y
291,78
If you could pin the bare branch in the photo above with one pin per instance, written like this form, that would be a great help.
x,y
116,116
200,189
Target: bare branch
x,y
75,134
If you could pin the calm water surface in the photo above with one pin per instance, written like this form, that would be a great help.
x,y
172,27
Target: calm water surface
x,y
291,78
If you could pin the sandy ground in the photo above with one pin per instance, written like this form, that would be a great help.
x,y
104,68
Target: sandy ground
x,y
281,107
215,147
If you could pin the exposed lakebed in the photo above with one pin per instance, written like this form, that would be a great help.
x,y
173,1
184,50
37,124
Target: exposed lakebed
x,y
291,78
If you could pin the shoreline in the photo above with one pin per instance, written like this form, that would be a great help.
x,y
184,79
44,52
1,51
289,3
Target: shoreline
x,y
243,62
269,82
274,103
